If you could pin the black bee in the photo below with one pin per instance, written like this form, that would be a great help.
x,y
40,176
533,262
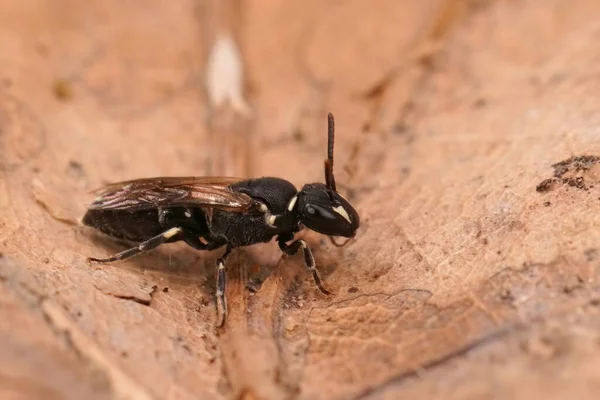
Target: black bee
x,y
211,212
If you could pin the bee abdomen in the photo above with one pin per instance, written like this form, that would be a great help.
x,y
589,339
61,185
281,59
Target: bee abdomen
x,y
136,226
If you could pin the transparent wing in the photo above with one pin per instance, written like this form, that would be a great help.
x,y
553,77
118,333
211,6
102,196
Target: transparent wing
x,y
141,194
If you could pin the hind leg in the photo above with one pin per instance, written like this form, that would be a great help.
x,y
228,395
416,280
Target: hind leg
x,y
149,244
170,235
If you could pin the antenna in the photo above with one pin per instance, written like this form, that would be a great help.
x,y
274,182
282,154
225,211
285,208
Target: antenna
x,y
329,179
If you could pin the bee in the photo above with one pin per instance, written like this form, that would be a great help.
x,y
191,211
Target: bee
x,y
208,213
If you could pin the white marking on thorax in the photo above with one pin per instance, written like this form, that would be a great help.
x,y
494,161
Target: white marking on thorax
x,y
292,203
271,219
341,211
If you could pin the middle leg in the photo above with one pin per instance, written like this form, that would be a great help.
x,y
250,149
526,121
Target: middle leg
x,y
220,292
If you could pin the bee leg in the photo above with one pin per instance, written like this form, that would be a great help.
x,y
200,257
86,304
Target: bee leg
x,y
309,260
142,247
220,293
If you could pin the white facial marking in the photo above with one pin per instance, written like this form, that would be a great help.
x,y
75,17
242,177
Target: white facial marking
x,y
292,203
271,220
171,232
264,208
341,211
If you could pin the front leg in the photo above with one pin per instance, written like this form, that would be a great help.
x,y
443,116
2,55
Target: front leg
x,y
309,260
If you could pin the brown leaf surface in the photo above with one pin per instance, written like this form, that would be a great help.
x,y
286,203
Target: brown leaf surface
x,y
467,139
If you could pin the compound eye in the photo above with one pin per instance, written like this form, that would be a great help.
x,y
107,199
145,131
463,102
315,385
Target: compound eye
x,y
314,211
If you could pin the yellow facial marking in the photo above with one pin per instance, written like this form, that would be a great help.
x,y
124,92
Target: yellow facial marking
x,y
341,211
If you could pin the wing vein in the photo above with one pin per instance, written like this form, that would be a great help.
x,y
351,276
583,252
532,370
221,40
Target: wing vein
x,y
147,193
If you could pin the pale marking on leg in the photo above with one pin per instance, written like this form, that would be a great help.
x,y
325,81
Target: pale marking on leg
x,y
312,265
171,232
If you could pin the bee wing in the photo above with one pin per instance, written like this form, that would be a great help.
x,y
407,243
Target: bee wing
x,y
143,194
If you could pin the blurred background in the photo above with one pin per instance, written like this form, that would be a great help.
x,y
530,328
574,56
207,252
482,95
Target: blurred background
x,y
466,138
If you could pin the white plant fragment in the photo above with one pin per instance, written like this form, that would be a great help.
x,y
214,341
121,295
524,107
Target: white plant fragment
x,y
225,75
